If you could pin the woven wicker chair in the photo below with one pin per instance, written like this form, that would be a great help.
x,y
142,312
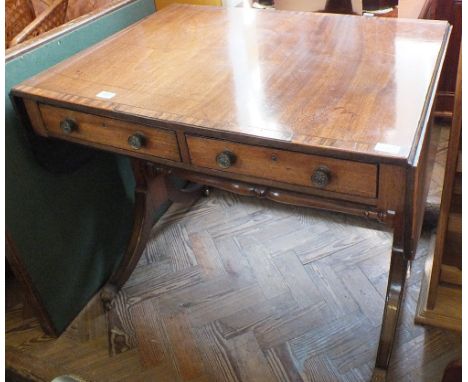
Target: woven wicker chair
x,y
18,15
52,17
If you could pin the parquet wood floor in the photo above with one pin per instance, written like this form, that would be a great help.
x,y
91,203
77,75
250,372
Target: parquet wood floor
x,y
239,289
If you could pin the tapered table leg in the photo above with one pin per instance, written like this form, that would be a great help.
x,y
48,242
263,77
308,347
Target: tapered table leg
x,y
395,288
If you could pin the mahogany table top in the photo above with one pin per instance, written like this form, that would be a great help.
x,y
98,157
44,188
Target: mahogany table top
x,y
359,85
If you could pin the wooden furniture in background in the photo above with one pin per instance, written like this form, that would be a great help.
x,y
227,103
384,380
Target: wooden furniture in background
x,y
453,372
161,4
440,299
203,73
415,9
338,6
450,10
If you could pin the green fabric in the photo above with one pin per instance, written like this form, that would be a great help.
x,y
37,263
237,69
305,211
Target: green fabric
x,y
70,230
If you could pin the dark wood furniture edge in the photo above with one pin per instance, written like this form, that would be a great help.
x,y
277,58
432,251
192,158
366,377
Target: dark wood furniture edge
x,y
393,299
453,371
418,178
281,195
450,10
239,137
399,262
444,104
32,295
407,226
424,10
429,102
46,37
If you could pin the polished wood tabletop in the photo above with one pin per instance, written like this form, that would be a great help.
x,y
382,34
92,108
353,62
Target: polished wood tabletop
x,y
344,84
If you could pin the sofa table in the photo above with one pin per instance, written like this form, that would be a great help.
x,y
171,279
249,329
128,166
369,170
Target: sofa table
x,y
316,110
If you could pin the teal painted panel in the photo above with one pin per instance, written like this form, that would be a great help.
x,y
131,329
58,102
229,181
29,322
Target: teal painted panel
x,y
62,47
70,229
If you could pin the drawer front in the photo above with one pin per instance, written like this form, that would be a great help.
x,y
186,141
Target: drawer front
x,y
110,132
336,175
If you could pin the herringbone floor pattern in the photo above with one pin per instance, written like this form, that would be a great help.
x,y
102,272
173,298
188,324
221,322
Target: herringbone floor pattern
x,y
239,289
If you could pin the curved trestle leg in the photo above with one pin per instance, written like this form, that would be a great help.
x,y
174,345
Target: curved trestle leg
x,y
395,288
150,193
153,189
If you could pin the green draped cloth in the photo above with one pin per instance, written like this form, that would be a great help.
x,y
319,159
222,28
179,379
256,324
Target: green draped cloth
x,y
70,227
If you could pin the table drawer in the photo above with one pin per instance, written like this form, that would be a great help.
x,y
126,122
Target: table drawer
x,y
75,125
315,171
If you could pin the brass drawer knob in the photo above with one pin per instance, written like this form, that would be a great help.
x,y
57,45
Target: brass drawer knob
x,y
137,141
226,159
321,176
68,125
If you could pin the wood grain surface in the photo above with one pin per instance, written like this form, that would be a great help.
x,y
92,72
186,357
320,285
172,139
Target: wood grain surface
x,y
157,142
322,82
284,166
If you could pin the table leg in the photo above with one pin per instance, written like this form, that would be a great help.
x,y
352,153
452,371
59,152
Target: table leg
x,y
396,282
153,189
150,194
